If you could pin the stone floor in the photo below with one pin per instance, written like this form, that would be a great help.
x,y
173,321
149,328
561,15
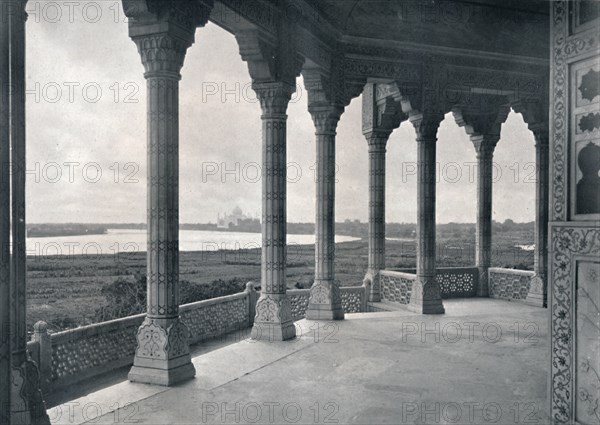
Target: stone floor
x,y
484,361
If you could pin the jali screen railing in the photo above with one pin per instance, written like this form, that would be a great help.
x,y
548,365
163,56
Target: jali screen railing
x,y
78,354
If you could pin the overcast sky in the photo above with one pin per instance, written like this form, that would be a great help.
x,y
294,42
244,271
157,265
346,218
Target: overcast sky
x,y
86,113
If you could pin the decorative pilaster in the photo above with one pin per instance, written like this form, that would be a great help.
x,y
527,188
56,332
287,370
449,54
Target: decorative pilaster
x,y
6,304
27,404
377,141
539,283
163,37
425,295
381,115
484,147
273,319
325,301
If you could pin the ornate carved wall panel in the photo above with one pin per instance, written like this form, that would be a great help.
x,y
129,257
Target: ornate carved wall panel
x,y
558,111
588,341
574,253
585,138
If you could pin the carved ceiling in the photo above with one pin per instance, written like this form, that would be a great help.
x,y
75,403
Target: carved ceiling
x,y
452,48
500,26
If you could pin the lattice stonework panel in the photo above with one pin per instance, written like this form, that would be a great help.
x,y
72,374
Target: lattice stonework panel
x,y
395,289
83,352
352,299
509,286
216,319
299,303
457,283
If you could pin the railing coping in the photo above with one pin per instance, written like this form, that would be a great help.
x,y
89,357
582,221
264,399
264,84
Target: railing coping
x,y
298,291
438,269
97,328
352,288
501,270
457,269
306,291
125,322
404,275
410,271
213,301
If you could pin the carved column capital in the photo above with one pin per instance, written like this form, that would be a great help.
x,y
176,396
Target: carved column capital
x,y
326,118
377,140
485,145
326,99
274,97
426,125
162,54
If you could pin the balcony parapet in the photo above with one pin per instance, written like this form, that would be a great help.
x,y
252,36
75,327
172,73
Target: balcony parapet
x,y
455,282
71,356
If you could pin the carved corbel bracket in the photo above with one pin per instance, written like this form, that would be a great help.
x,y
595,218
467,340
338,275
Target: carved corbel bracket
x,y
270,59
328,94
483,127
164,30
159,14
382,108
535,115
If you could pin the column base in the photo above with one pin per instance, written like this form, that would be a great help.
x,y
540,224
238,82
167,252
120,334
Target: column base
x,y
164,377
535,296
162,356
429,307
27,404
316,312
273,321
273,331
425,298
325,302
374,295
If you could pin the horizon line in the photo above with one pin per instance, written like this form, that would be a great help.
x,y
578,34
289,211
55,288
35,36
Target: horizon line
x,y
289,222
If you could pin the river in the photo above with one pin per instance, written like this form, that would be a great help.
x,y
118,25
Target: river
x,y
134,240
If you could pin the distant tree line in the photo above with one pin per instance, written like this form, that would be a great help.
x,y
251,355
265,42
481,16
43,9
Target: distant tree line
x,y
354,228
64,229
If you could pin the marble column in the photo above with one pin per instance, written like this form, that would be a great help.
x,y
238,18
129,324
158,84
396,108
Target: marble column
x,y
425,295
6,304
273,320
538,288
27,405
484,147
377,141
325,302
162,356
